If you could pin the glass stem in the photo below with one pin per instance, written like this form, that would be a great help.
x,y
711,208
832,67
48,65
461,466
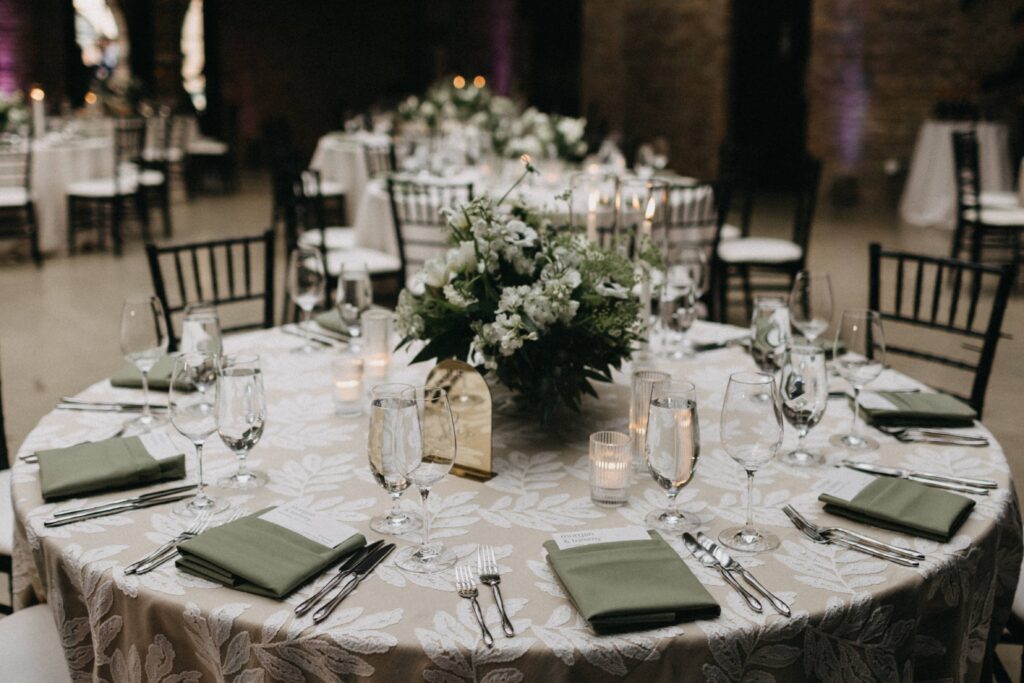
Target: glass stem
x,y
306,315
146,415
201,493
750,499
673,503
426,518
801,433
243,464
396,514
855,426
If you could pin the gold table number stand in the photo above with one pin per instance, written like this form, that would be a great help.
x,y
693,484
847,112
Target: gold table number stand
x,y
470,400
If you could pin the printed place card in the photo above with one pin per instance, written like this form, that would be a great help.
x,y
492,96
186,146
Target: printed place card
x,y
316,526
574,539
844,483
874,401
159,445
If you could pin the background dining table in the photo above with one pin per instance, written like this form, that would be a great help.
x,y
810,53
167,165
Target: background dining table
x,y
853,616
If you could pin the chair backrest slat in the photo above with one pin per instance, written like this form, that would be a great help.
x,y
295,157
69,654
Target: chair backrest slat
x,y
380,159
419,223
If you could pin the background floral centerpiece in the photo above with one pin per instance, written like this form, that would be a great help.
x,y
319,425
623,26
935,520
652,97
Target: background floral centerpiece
x,y
537,305
13,112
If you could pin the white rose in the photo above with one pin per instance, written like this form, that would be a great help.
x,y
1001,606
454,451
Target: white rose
x,y
463,258
434,273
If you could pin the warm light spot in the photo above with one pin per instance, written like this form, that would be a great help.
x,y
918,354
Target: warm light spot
x,y
479,81
90,98
459,82
651,208
37,94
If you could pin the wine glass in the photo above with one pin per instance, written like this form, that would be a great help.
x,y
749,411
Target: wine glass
x,y
241,415
144,341
810,304
769,333
354,295
751,432
673,446
428,456
200,330
194,415
306,283
804,391
384,451
859,355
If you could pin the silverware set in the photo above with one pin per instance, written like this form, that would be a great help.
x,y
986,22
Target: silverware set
x,y
120,505
709,561
922,435
356,567
465,585
714,556
852,540
979,487
169,549
71,403
321,337
487,568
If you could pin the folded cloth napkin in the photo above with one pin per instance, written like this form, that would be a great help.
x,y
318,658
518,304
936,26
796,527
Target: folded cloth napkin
x,y
630,585
331,320
260,557
906,506
918,409
103,465
129,376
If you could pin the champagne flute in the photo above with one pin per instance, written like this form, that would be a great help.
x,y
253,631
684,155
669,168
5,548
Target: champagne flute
x,y
241,415
673,446
810,304
769,333
384,451
144,341
751,432
194,415
354,295
859,355
306,283
200,330
804,390
428,456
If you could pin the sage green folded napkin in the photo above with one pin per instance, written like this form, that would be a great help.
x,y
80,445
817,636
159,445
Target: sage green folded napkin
x,y
103,466
331,320
920,409
260,557
906,506
630,585
129,376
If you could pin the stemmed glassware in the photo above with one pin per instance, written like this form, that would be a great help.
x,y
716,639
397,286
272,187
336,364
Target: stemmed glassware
x,y
241,415
804,391
859,356
684,286
144,341
384,449
810,304
194,415
428,454
673,446
306,283
769,333
751,433
200,330
354,295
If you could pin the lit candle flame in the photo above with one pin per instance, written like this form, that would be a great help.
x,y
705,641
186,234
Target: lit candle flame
x,y
459,82
479,81
90,98
37,94
651,207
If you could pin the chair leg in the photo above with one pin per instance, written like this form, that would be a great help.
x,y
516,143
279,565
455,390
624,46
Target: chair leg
x,y
115,226
165,208
33,234
71,225
748,293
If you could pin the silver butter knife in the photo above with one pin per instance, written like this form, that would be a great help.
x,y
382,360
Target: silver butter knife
x,y
126,501
362,570
344,570
61,521
126,405
730,564
965,485
708,560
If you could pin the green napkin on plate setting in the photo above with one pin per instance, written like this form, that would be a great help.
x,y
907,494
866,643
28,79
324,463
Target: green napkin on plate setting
x,y
915,409
630,585
111,464
129,376
904,506
258,556
331,320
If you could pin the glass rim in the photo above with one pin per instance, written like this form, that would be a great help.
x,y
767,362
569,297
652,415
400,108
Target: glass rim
x,y
375,314
651,375
192,355
610,437
751,378
399,389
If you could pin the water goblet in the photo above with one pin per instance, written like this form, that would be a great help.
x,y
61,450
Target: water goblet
x,y
384,452
673,447
306,283
194,415
803,387
241,415
144,341
353,297
810,304
769,333
859,356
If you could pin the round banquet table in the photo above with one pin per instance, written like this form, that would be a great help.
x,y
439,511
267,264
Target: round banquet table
x,y
339,157
854,617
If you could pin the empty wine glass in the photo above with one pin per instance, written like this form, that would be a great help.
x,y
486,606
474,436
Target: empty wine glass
x,y
678,309
194,415
859,355
769,333
354,295
200,330
306,283
144,341
804,391
751,433
241,415
428,455
810,304
673,446
384,449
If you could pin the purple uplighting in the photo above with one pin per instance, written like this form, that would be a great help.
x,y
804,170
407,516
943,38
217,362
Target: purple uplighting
x,y
502,28
853,92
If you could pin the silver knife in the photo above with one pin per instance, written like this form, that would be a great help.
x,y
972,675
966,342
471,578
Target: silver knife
x,y
966,485
125,501
61,521
127,405
344,570
362,570
730,564
708,560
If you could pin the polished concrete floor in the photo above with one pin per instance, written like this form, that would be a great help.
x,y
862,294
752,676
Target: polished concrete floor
x,y
59,324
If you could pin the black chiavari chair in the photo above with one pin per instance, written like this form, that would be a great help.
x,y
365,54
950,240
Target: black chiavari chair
x,y
6,509
380,159
17,212
419,223
696,218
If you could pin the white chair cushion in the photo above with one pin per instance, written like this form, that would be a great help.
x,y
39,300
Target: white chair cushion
x,y
374,261
151,177
1003,217
730,232
1000,200
13,196
759,250
337,237
30,648
171,154
101,187
208,147
6,514
328,188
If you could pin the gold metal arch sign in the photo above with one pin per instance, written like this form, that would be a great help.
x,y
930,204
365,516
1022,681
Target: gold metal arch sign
x,y
470,399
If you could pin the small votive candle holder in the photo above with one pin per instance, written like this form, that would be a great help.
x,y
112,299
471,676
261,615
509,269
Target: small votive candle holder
x,y
610,468
376,329
347,385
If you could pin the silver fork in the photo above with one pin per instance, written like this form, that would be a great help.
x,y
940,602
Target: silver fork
x,y
812,533
487,567
169,549
465,584
867,540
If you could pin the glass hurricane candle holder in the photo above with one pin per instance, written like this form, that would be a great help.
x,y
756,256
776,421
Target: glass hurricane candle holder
x,y
644,384
610,470
376,326
347,385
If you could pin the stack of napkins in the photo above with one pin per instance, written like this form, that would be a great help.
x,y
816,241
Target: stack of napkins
x,y
634,582
917,409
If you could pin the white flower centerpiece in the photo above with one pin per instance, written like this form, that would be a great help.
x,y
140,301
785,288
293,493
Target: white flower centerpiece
x,y
537,306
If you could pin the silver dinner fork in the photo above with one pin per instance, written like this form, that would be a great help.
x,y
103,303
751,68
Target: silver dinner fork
x,y
827,531
487,567
168,549
465,584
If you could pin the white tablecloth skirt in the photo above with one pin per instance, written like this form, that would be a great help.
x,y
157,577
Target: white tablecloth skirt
x,y
54,167
340,158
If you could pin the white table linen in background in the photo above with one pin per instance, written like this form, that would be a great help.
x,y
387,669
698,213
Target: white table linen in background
x,y
55,165
929,197
340,158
